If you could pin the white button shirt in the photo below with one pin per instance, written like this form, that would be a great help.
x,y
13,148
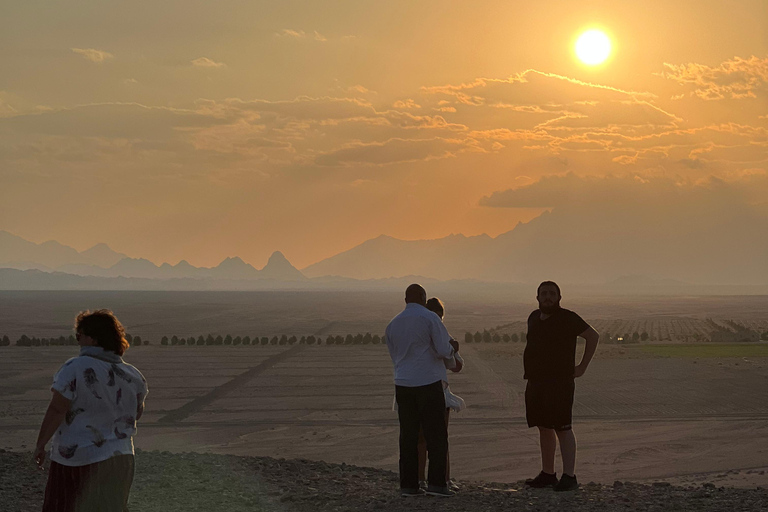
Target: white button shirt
x,y
418,343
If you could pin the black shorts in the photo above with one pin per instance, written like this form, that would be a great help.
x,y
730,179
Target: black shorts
x,y
549,404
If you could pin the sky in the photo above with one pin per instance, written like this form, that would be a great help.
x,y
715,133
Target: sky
x,y
196,130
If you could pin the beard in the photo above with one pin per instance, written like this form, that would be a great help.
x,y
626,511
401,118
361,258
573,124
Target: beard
x,y
549,307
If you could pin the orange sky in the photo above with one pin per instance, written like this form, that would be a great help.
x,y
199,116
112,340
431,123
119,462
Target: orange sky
x,y
200,130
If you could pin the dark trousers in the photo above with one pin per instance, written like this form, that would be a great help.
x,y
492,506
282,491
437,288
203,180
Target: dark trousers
x,y
422,407
99,487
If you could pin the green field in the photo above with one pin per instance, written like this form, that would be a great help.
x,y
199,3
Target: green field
x,y
707,350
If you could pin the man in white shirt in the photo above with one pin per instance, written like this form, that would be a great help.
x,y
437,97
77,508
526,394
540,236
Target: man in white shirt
x,y
418,344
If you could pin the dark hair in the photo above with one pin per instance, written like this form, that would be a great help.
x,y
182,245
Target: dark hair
x,y
436,306
548,283
415,293
106,330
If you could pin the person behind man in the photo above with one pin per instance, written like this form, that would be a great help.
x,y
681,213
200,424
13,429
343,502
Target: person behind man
x,y
418,344
97,400
452,401
549,364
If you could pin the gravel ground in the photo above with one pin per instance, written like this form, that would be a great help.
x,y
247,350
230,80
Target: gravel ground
x,y
205,482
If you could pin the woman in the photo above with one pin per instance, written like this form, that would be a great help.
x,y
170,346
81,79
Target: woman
x,y
451,402
97,399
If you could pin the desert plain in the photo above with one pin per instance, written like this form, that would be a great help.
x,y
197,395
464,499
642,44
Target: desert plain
x,y
638,416
693,415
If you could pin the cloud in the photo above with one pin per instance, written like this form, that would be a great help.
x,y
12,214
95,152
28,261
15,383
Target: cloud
x,y
406,104
359,89
485,86
93,55
109,120
6,109
394,151
737,78
697,230
287,32
205,62
623,191
300,34
529,115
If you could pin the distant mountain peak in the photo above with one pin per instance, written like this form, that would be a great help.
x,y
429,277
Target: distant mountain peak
x,y
232,262
98,247
277,257
278,267
102,255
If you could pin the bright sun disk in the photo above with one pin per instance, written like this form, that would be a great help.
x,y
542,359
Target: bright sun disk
x,y
593,47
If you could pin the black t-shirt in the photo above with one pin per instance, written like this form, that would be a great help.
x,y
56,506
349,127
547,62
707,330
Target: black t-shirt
x,y
550,349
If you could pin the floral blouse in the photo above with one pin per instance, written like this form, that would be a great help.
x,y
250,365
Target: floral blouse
x,y
106,394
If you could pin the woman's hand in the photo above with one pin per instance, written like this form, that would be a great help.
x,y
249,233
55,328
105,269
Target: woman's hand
x,y
458,367
54,416
40,456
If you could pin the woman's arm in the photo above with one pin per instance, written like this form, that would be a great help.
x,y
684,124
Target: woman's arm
x,y
57,411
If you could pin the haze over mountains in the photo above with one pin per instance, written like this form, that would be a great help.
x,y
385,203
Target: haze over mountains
x,y
596,231
101,261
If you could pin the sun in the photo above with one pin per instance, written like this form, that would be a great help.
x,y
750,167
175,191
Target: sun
x,y
593,47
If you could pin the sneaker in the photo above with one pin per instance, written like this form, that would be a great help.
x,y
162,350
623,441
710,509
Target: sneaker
x,y
423,484
443,492
567,483
452,485
407,492
542,480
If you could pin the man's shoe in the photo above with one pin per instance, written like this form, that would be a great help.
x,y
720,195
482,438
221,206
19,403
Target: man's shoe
x,y
443,492
406,492
567,483
542,480
423,484
452,485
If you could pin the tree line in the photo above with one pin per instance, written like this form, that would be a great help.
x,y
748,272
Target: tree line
x,y
210,339
26,341
359,339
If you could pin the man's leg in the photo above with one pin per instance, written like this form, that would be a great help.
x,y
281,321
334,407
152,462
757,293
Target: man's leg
x,y
408,414
548,442
422,457
447,453
435,432
567,450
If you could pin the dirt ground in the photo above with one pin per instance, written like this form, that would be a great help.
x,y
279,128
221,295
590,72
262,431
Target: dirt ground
x,y
191,482
637,417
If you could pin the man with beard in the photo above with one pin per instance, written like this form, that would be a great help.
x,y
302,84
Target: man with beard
x,y
549,363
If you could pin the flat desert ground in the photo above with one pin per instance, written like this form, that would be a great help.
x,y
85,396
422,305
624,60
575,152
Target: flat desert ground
x,y
638,416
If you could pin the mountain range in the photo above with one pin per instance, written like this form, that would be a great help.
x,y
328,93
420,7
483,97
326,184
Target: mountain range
x,y
101,261
661,237
583,243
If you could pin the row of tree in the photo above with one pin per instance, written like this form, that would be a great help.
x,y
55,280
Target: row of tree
x,y
26,341
349,339
359,339
492,337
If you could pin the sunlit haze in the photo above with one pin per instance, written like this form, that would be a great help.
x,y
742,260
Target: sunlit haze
x,y
204,130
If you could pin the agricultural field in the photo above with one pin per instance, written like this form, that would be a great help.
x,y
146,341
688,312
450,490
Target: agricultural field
x,y
153,315
640,415
666,329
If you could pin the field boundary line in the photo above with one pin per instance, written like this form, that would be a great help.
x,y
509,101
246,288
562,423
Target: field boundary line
x,y
197,404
